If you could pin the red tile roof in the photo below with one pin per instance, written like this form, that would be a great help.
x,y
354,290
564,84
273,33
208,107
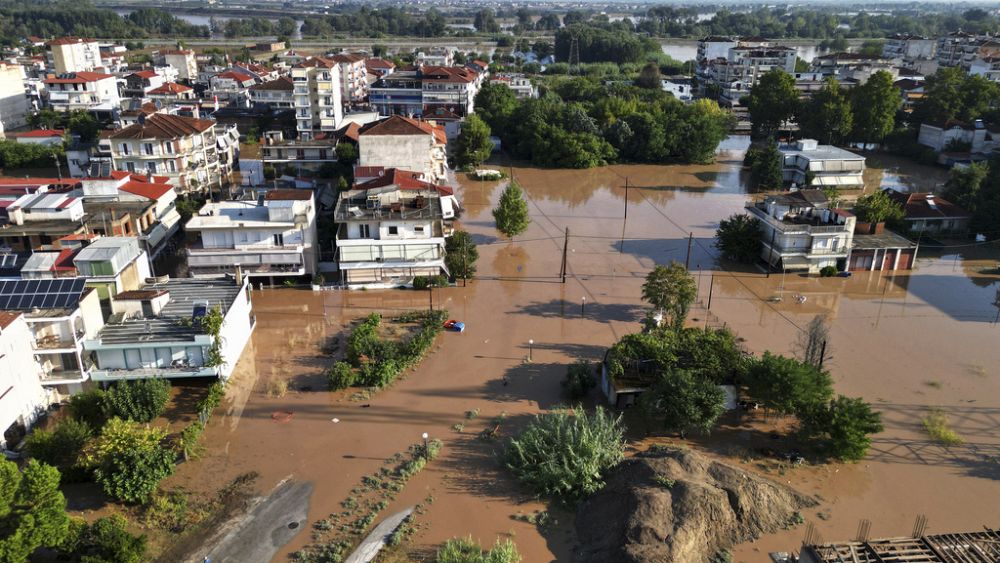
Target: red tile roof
x,y
171,88
347,58
7,318
64,262
400,125
448,74
42,133
349,131
379,63
289,194
235,75
69,41
404,180
918,205
316,62
145,74
149,190
164,126
77,78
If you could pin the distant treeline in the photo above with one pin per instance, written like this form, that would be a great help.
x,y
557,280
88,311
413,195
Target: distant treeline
x,y
367,22
20,18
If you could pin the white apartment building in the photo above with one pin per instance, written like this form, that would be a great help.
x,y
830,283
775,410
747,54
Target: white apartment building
x,y
303,155
847,67
139,83
14,102
187,151
715,47
159,219
800,232
961,49
90,91
519,83
824,165
61,313
273,236
317,92
184,61
988,68
743,66
231,86
392,229
276,93
353,77
908,48
404,143
22,397
156,331
73,54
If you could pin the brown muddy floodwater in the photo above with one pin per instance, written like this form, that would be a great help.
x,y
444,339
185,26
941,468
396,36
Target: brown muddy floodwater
x,y
891,335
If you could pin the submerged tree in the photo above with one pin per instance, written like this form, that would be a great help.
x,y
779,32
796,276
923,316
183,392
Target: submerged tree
x,y
772,101
845,426
473,145
738,238
511,213
684,401
461,255
671,289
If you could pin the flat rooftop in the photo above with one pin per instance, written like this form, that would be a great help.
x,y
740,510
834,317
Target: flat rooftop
x,y
233,215
170,325
885,239
821,152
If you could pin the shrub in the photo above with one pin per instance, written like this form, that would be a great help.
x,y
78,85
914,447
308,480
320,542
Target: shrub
x,y
579,380
424,282
61,447
216,392
566,454
341,376
141,400
131,460
467,550
108,539
844,425
187,445
828,271
90,407
936,425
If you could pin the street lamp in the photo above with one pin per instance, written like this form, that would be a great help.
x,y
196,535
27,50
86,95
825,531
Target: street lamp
x,y
58,166
426,451
583,306
531,342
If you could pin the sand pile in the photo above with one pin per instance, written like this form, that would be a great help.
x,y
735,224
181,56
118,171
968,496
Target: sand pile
x,y
678,505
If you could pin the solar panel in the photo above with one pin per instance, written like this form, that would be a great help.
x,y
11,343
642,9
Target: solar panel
x,y
23,295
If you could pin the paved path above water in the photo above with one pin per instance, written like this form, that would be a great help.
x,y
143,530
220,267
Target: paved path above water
x,y
376,540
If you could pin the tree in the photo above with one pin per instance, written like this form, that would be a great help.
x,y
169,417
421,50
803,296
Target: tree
x,y
787,385
845,425
495,102
566,454
45,119
871,48
140,400
874,105
684,401
649,77
61,447
765,167
83,124
379,50
671,290
827,115
511,213
473,145
964,185
107,539
32,510
772,101
811,344
942,99
703,125
131,461
347,153
461,255
579,380
878,207
738,238
486,21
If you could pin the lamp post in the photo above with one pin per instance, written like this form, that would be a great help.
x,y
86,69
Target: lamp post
x,y
426,451
531,343
583,306
58,166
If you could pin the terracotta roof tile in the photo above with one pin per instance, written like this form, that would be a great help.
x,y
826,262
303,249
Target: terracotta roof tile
x,y
284,83
77,78
171,88
400,125
7,318
163,126
289,194
149,190
41,133
404,180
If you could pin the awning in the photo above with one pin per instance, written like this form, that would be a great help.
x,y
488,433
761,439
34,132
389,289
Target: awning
x,y
794,263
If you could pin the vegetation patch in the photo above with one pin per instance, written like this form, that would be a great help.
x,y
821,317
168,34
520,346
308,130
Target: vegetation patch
x,y
936,425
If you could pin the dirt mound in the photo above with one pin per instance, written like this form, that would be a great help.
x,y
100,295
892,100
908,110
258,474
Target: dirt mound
x,y
678,505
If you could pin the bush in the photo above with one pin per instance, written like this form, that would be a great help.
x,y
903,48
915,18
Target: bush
x,y
566,454
844,426
424,282
828,271
579,380
141,400
62,447
90,407
380,361
108,539
341,376
467,550
131,461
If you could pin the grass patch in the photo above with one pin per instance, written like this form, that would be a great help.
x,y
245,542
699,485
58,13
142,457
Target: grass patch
x,y
665,482
276,388
458,427
936,425
933,383
469,415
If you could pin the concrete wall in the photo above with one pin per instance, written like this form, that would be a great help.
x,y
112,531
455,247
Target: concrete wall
x,y
236,330
22,397
406,152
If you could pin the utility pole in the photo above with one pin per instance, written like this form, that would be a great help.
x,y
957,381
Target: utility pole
x,y
562,271
770,252
465,254
711,286
687,261
621,246
430,295
822,355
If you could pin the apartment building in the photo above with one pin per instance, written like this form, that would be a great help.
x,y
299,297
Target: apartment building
x,y
157,331
73,54
303,155
140,83
184,61
379,67
715,47
273,236
276,94
14,102
736,74
988,68
187,151
317,91
89,91
909,48
171,93
800,232
404,143
424,90
806,162
960,49
393,228
353,77
23,398
847,67
231,86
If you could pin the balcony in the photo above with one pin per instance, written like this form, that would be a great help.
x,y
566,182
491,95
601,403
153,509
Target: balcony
x,y
55,343
149,373
63,377
793,227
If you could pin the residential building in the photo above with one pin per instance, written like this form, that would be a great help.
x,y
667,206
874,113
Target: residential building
x,y
800,232
853,66
881,251
61,313
47,137
421,91
958,141
113,265
404,143
398,93
90,91
73,54
715,47
806,162
987,67
912,92
149,201
680,87
184,61
43,206
138,84
276,93
14,102
393,228
908,48
232,86
353,83
22,397
171,93
436,56
186,150
379,66
317,91
743,66
273,236
158,331
519,83
928,213
304,155
960,49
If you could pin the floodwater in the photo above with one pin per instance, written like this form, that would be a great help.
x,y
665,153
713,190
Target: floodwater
x,y
890,336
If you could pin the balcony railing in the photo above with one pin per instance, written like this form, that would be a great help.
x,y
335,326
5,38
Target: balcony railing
x,y
789,228
145,373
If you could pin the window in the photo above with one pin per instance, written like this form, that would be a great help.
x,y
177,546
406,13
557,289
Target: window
x,y
125,148
147,148
419,230
394,230
130,166
171,166
168,147
151,167
364,231
279,240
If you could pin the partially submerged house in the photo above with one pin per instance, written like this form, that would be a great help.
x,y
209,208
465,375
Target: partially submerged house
x,y
929,213
808,163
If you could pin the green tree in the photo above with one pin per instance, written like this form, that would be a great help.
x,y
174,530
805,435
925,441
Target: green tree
x,y
32,510
878,207
495,102
787,385
684,402
649,77
62,447
765,167
874,105
45,119
671,290
579,380
473,145
83,124
845,426
511,213
106,540
131,461
827,115
871,48
703,125
90,407
379,50
461,255
738,238
347,153
964,185
140,400
566,454
485,21
772,101
942,99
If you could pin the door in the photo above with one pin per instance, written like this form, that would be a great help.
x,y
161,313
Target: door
x,y
889,262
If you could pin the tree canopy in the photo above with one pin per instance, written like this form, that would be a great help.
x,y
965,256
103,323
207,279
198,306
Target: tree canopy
x,y
787,385
684,401
511,213
32,510
671,290
765,167
878,207
772,101
738,238
461,255
473,145
874,105
131,461
827,115
843,425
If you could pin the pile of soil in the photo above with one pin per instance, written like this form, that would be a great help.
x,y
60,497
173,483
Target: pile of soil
x,y
678,505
